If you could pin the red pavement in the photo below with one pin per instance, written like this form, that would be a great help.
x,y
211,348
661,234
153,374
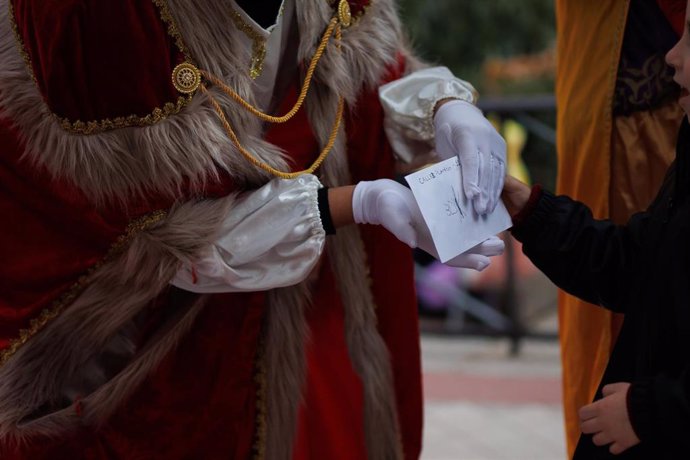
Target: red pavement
x,y
454,386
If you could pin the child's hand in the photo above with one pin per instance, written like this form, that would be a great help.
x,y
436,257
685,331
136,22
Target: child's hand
x,y
608,419
515,195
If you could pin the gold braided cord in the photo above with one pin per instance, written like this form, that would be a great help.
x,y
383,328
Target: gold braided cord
x,y
266,167
334,24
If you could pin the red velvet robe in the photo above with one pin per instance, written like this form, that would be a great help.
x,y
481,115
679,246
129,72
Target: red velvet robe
x,y
201,401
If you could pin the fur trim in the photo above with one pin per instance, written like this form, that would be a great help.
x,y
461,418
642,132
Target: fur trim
x,y
30,383
134,161
368,46
368,352
158,158
285,337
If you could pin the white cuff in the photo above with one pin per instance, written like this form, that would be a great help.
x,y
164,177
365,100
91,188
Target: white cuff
x,y
409,105
273,237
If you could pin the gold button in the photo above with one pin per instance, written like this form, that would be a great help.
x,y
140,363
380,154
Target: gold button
x,y
344,13
186,78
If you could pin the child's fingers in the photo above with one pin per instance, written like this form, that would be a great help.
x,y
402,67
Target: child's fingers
x,y
601,439
588,411
616,448
592,425
612,388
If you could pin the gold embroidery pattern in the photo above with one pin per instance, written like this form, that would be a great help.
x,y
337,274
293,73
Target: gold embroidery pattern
x,y
46,316
258,44
173,30
20,43
94,127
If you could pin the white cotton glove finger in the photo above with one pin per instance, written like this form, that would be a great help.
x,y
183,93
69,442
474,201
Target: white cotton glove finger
x,y
473,261
390,204
499,175
462,130
493,246
498,168
449,142
478,257
482,201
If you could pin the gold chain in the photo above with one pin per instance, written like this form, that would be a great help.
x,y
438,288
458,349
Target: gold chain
x,y
305,87
334,25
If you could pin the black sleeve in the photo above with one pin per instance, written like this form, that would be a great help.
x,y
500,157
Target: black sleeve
x,y
586,257
659,411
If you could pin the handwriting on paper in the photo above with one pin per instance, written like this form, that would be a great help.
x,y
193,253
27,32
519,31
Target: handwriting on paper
x,y
454,225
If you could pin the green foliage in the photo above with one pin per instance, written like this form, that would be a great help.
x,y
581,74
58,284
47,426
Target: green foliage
x,y
461,34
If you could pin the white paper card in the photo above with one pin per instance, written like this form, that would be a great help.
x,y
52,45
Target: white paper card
x,y
454,225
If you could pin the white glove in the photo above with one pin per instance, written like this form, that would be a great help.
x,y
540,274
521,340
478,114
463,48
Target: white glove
x,y
388,203
461,129
392,205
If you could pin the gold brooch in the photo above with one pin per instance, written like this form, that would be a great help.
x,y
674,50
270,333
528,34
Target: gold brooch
x,y
344,13
186,78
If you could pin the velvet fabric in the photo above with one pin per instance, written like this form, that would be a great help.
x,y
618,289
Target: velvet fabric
x,y
391,267
128,40
53,235
202,398
201,401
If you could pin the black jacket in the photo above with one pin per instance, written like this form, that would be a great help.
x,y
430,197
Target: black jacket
x,y
641,269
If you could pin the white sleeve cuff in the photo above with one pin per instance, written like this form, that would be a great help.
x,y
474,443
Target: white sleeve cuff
x,y
273,237
409,105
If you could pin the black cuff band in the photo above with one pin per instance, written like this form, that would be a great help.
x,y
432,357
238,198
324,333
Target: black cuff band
x,y
325,211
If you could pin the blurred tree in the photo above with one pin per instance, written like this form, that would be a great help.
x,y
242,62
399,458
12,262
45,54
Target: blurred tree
x,y
463,34
503,47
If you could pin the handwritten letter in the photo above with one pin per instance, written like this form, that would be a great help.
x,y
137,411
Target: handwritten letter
x,y
454,225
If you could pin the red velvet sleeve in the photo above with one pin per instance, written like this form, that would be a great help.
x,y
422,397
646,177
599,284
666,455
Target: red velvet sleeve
x,y
98,59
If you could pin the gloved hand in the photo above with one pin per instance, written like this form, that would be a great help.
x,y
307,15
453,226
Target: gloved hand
x,y
461,129
479,257
388,203
392,205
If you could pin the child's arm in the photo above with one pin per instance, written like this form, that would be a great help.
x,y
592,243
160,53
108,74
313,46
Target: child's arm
x,y
586,257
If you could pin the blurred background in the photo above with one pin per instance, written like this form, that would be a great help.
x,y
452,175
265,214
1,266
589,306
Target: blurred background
x,y
489,340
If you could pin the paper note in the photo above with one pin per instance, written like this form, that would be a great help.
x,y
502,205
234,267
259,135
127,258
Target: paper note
x,y
454,225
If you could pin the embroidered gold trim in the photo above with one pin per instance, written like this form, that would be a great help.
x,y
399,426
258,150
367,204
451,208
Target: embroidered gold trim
x,y
258,43
97,126
173,30
20,43
261,380
47,315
